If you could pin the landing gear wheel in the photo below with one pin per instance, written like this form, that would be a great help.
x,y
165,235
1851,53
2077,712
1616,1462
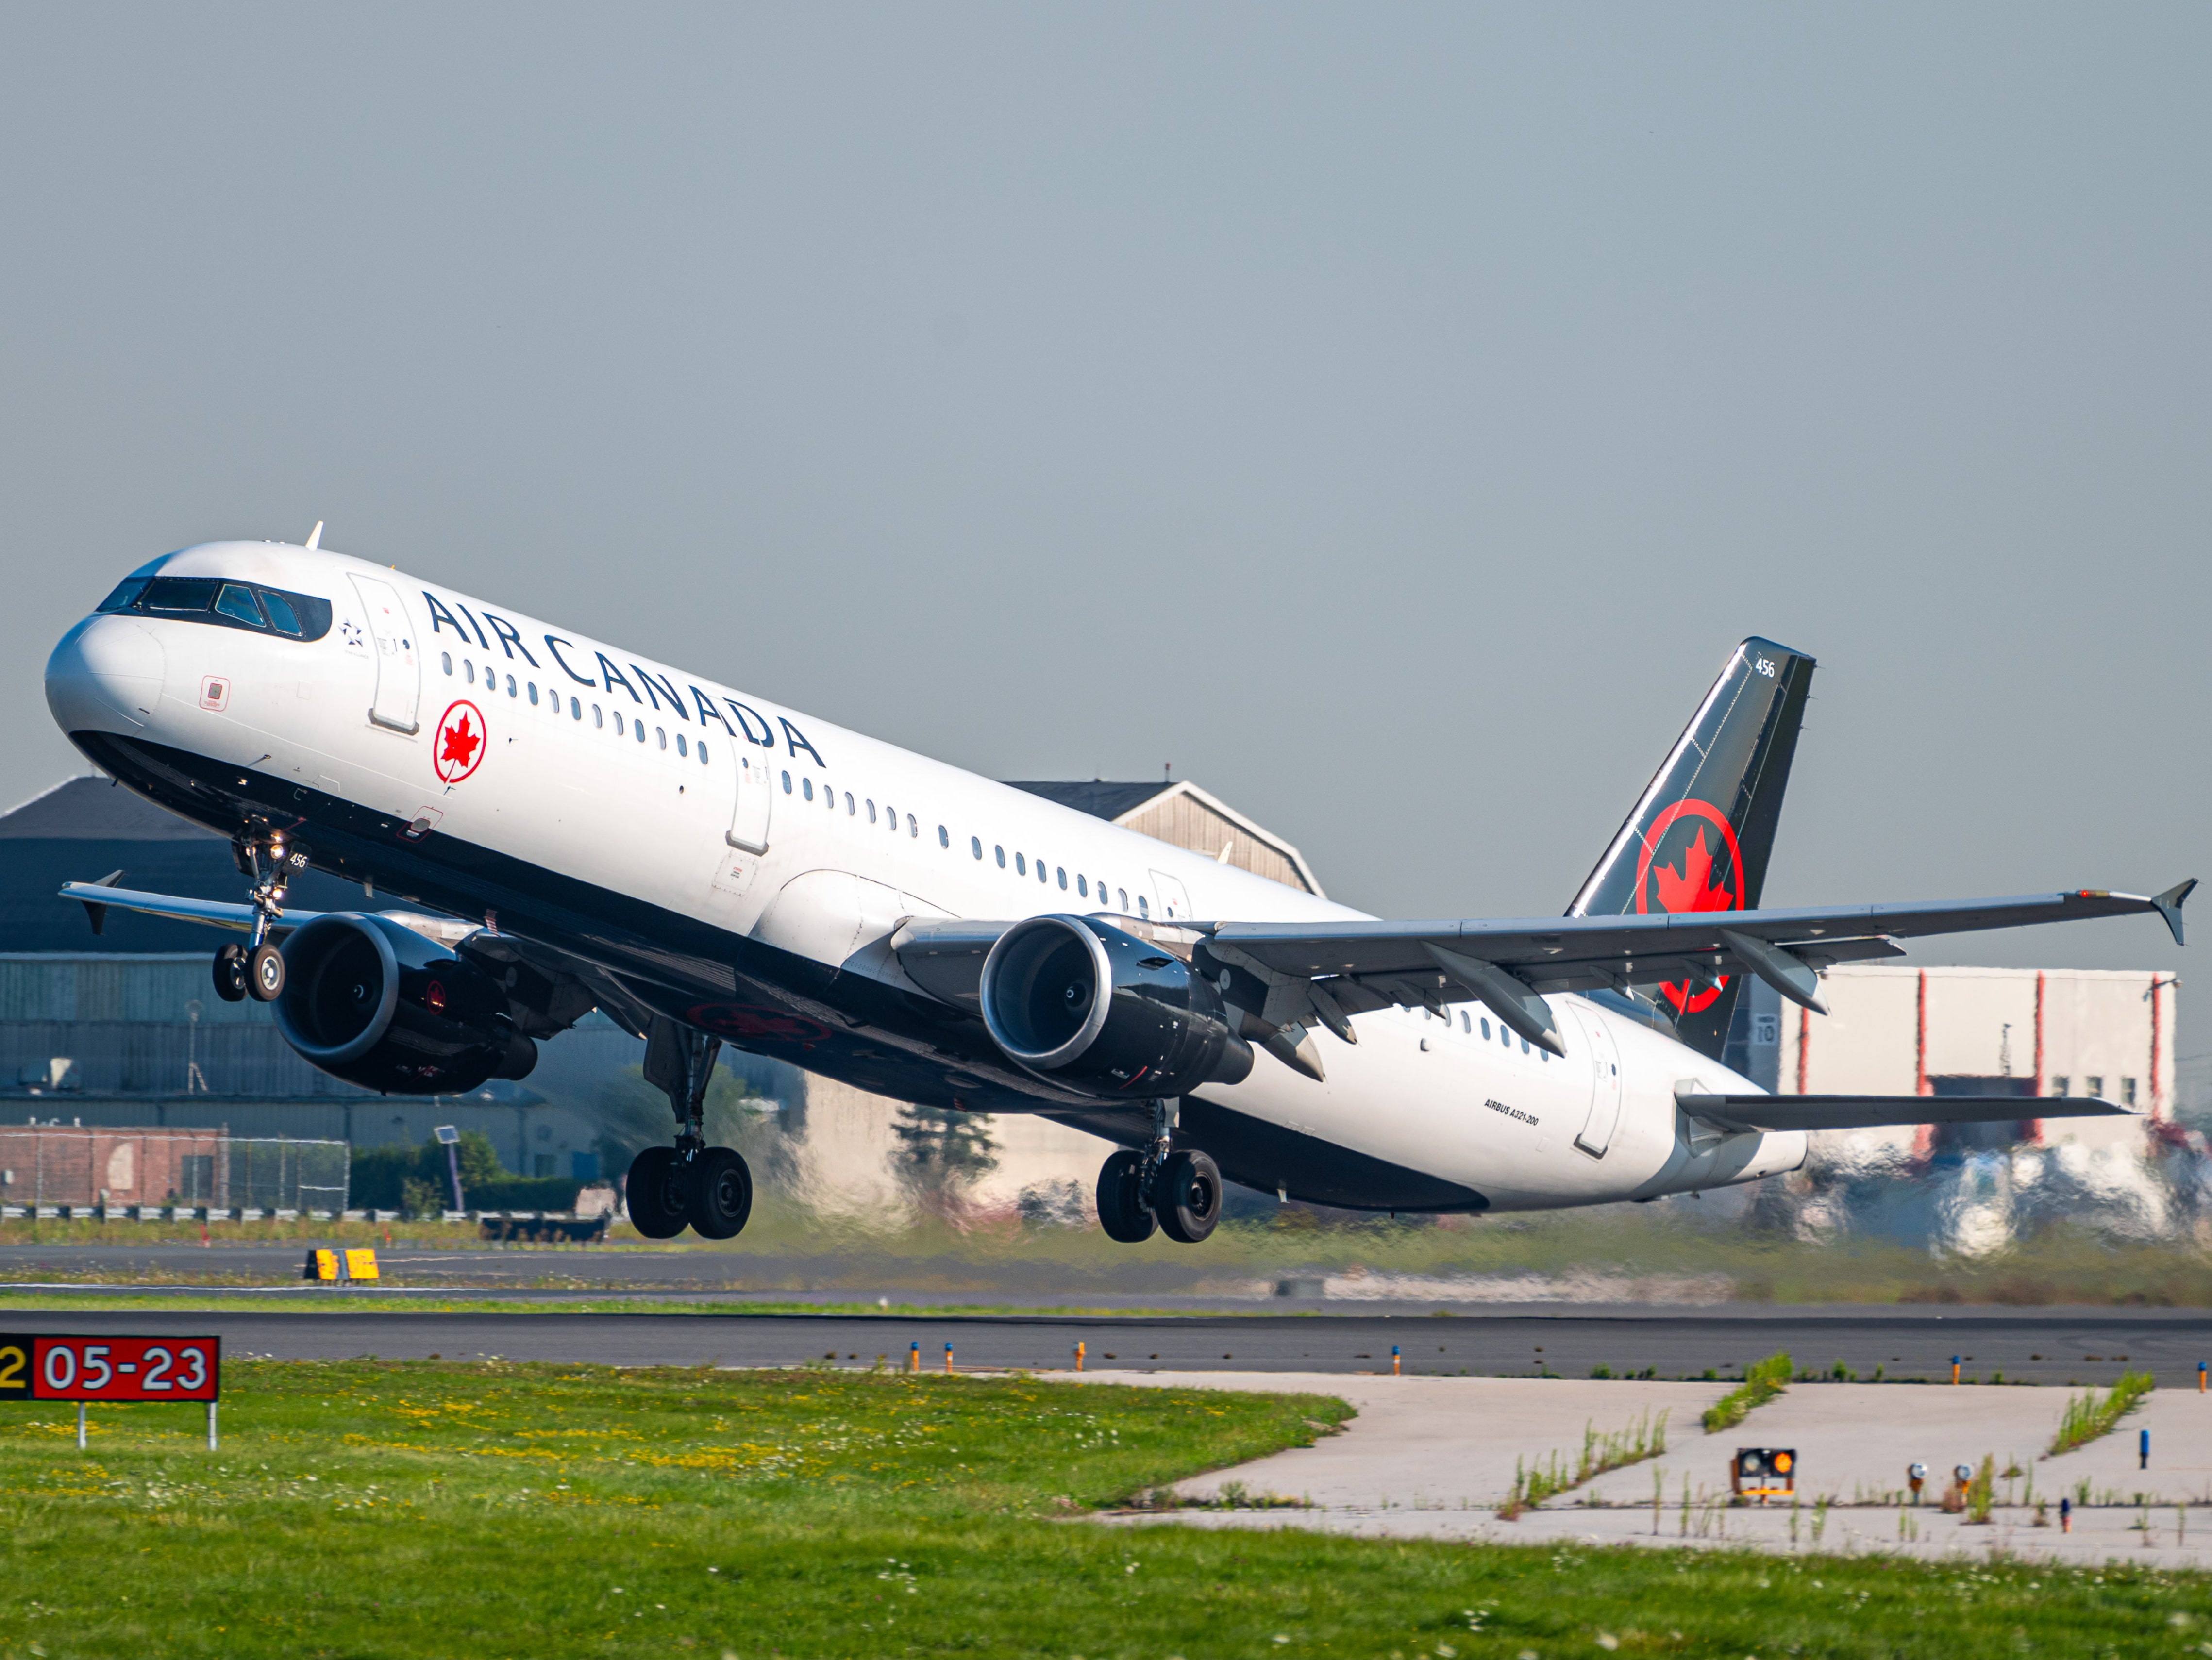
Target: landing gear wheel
x,y
264,974
1122,1211
1186,1196
230,973
658,1193
721,1194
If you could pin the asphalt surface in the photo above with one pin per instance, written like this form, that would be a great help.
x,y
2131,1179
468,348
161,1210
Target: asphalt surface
x,y
2047,1346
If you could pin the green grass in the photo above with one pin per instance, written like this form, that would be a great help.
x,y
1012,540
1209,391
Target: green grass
x,y
1762,1381
1615,1450
2089,1414
388,1509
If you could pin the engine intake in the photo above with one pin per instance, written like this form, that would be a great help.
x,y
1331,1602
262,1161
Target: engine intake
x,y
1080,1001
375,1004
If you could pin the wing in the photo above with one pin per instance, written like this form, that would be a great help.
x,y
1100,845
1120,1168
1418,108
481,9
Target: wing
x,y
1340,969
1771,1113
98,898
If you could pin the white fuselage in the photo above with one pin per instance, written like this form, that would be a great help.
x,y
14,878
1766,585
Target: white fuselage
x,y
606,774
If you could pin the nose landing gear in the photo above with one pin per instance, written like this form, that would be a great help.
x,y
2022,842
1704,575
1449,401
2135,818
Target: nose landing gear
x,y
708,1189
256,969
1176,1190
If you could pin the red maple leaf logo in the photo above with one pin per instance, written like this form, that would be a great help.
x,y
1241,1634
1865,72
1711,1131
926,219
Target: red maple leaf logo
x,y
460,743
1694,887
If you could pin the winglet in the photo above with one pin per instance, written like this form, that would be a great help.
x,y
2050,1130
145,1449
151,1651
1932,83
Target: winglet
x,y
95,913
2169,905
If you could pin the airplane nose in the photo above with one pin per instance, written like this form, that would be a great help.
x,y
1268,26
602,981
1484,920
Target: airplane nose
x,y
106,676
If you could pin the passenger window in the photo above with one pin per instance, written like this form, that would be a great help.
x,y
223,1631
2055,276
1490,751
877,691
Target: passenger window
x,y
944,837
852,808
469,673
786,784
808,785
1021,865
890,817
282,617
1001,853
1082,885
491,678
1144,907
702,751
681,748
976,843
597,718
637,731
240,605
445,661
1524,1045
511,692
1062,872
533,695
1124,893
1486,1031
661,733
872,809
912,829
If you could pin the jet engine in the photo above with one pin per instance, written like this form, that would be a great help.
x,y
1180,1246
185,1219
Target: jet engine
x,y
375,1004
1080,1002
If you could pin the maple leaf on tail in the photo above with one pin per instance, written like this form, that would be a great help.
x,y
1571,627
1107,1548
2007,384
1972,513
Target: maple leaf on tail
x,y
1694,887
460,743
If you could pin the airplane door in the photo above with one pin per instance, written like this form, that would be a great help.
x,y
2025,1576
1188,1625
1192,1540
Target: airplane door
x,y
1596,1133
398,666
1175,904
749,818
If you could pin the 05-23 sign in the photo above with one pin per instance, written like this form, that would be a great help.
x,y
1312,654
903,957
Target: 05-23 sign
x,y
66,1368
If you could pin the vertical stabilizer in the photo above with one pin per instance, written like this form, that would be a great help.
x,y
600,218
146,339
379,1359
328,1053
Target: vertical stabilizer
x,y
1699,836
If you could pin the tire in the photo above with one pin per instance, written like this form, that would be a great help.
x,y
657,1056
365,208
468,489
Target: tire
x,y
658,1193
230,973
264,974
1186,1196
1122,1211
721,1194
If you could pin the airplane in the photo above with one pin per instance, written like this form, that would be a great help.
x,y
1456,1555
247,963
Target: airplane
x,y
567,826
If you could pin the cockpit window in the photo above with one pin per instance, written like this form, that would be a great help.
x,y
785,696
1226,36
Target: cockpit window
x,y
226,604
240,605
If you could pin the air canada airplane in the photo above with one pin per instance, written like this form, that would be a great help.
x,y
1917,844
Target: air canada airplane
x,y
542,824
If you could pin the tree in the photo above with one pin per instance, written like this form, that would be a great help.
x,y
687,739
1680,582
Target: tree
x,y
942,1148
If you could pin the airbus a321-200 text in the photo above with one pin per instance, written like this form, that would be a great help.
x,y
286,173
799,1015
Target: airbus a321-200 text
x,y
567,826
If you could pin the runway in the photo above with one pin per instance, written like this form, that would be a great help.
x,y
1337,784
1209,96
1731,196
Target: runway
x,y
2046,1345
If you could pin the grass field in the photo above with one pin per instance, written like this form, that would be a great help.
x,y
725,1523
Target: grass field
x,y
412,1509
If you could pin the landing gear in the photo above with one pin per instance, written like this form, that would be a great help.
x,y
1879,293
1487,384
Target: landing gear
x,y
230,973
1176,1190
1122,1211
658,1191
721,1194
264,974
708,1189
256,969
1186,1196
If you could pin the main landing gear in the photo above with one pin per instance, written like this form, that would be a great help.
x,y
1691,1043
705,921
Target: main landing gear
x,y
708,1189
256,969
1176,1190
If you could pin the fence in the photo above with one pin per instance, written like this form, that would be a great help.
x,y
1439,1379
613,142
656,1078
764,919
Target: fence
x,y
58,1165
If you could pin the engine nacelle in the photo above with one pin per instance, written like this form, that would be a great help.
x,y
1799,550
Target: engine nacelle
x,y
1080,1002
375,1004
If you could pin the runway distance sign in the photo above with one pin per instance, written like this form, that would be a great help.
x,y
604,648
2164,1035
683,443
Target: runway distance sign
x,y
51,1367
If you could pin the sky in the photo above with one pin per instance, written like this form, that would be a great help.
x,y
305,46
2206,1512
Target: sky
x,y
1389,417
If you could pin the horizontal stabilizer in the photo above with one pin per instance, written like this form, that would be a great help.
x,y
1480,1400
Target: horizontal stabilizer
x,y
1779,1112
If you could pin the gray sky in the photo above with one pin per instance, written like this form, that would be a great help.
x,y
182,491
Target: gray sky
x,y
1389,415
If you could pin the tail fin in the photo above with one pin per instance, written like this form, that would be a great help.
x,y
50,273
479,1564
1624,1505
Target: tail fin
x,y
1699,836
